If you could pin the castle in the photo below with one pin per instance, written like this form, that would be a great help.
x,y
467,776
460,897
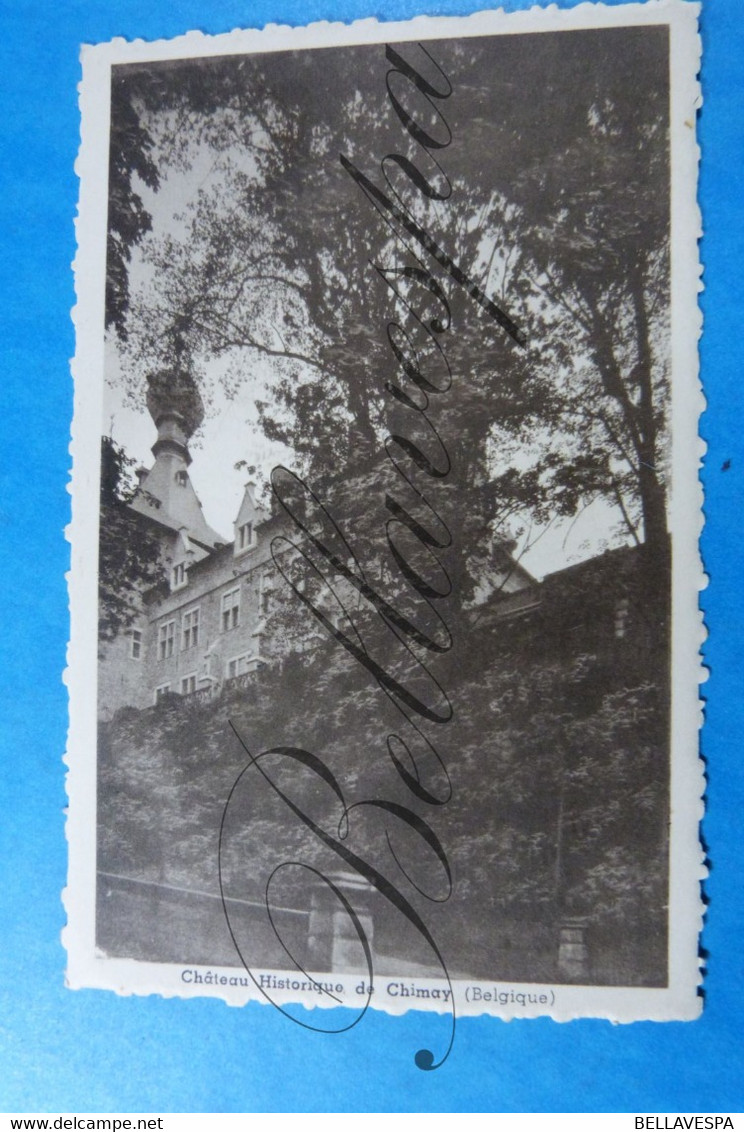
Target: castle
x,y
207,624
585,641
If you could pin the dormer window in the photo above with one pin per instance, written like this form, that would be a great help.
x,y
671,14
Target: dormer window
x,y
247,521
179,576
182,478
246,536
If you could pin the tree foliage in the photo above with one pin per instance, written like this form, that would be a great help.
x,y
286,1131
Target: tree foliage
x,y
559,768
558,210
131,160
130,560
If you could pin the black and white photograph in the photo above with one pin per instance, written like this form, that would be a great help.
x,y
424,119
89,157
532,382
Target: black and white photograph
x,y
385,645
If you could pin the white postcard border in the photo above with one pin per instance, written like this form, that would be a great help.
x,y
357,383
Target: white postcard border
x,y
680,1000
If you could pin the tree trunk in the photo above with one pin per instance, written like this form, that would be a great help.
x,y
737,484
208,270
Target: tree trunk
x,y
652,491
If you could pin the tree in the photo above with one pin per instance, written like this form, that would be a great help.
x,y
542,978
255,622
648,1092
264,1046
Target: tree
x,y
560,808
559,209
594,226
130,560
130,158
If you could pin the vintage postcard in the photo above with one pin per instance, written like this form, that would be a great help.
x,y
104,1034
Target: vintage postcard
x,y
384,659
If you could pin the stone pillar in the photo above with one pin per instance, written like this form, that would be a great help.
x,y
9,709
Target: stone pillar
x,y
333,942
573,953
320,929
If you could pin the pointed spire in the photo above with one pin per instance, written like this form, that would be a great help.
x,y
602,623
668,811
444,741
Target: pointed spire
x,y
166,491
177,409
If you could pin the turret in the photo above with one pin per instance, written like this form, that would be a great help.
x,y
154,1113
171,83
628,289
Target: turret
x,y
166,492
250,515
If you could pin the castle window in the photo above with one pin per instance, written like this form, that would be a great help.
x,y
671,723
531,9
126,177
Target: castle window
x,y
239,665
188,684
166,639
179,577
190,629
160,691
245,536
135,644
231,609
182,478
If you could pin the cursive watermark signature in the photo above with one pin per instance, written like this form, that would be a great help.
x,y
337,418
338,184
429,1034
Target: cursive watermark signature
x,y
419,462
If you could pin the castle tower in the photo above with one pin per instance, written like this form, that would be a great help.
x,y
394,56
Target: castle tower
x,y
165,492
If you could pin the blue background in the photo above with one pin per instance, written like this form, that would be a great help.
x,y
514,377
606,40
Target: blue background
x,y
92,1051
